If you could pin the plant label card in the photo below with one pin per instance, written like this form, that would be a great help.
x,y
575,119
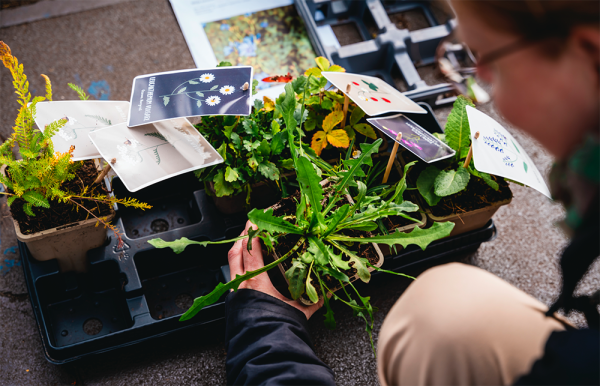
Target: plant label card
x,y
145,155
373,95
414,138
497,152
82,117
190,93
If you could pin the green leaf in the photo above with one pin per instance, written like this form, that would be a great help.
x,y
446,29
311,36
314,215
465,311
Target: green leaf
x,y
356,116
265,148
360,263
318,250
426,185
366,130
327,104
36,198
221,288
181,90
198,103
231,175
323,63
457,128
355,164
310,289
27,210
485,177
298,84
236,140
335,219
269,170
166,100
418,236
251,127
214,87
179,245
295,276
270,223
334,273
309,183
287,106
278,143
350,133
224,64
451,181
193,82
366,226
287,163
222,187
329,319
222,150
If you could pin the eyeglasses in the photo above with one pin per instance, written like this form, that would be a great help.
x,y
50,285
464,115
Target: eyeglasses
x,y
501,52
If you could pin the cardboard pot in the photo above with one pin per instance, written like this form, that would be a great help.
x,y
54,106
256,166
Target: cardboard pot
x,y
68,243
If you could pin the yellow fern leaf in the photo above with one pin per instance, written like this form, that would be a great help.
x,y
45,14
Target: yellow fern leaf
x,y
48,87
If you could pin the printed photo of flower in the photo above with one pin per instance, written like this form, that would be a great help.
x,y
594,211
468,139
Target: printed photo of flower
x,y
213,100
226,90
207,78
272,41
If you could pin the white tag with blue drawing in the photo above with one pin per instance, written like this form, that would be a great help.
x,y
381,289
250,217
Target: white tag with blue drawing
x,y
190,93
497,152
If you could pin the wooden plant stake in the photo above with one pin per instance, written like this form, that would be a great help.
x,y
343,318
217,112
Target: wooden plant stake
x,y
470,154
388,169
104,171
346,102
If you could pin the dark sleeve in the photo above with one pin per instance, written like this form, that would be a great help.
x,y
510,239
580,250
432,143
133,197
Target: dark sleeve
x,y
268,343
570,358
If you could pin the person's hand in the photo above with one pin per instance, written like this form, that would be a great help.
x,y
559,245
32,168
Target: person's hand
x,y
241,260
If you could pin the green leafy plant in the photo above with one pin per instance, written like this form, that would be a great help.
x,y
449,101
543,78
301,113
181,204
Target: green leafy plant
x,y
324,251
37,178
433,182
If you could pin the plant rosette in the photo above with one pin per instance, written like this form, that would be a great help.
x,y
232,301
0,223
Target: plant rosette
x,y
453,192
320,221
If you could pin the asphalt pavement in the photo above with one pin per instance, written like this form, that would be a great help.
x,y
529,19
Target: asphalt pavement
x,y
102,50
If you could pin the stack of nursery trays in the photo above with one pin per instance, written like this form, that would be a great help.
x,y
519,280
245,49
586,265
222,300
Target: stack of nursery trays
x,y
368,41
134,292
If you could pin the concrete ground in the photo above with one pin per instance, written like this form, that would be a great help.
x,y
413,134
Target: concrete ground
x,y
102,50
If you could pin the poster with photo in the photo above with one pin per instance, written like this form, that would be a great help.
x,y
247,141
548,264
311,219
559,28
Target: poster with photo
x,y
147,154
190,93
373,95
268,35
495,151
82,118
415,139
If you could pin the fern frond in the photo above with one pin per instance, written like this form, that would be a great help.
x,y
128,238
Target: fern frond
x,y
27,210
82,95
48,87
10,200
36,198
106,121
156,134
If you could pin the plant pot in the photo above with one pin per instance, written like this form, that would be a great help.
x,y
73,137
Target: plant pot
x,y
468,221
304,299
68,244
262,196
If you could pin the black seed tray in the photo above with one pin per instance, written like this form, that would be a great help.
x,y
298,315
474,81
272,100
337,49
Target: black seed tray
x,y
386,51
136,293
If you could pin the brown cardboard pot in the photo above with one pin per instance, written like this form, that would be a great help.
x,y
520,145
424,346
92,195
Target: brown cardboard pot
x,y
304,299
68,244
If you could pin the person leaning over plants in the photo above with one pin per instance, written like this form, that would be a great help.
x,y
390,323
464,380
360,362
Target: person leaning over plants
x,y
458,324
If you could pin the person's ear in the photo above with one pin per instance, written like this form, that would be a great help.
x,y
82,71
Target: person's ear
x,y
587,39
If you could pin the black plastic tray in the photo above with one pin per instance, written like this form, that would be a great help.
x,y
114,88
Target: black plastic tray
x,y
392,53
136,293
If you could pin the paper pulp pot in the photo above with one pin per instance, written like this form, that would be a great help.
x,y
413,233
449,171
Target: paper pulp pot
x,y
68,244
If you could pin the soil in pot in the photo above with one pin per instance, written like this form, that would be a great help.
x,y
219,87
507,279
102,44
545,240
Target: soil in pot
x,y
59,213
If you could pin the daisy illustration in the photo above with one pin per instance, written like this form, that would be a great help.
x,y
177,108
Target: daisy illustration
x,y
207,78
226,90
364,98
213,100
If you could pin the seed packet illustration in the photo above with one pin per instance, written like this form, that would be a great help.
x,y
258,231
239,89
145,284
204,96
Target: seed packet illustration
x,y
373,95
190,93
495,151
82,118
147,154
414,138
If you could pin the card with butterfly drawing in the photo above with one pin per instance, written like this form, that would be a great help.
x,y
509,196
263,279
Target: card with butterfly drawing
x,y
190,93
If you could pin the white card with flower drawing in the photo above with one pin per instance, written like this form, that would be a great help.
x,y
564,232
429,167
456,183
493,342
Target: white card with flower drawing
x,y
373,95
190,93
82,118
147,154
495,151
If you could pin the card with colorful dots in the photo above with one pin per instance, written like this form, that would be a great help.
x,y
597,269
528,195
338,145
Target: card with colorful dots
x,y
373,95
415,139
190,93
